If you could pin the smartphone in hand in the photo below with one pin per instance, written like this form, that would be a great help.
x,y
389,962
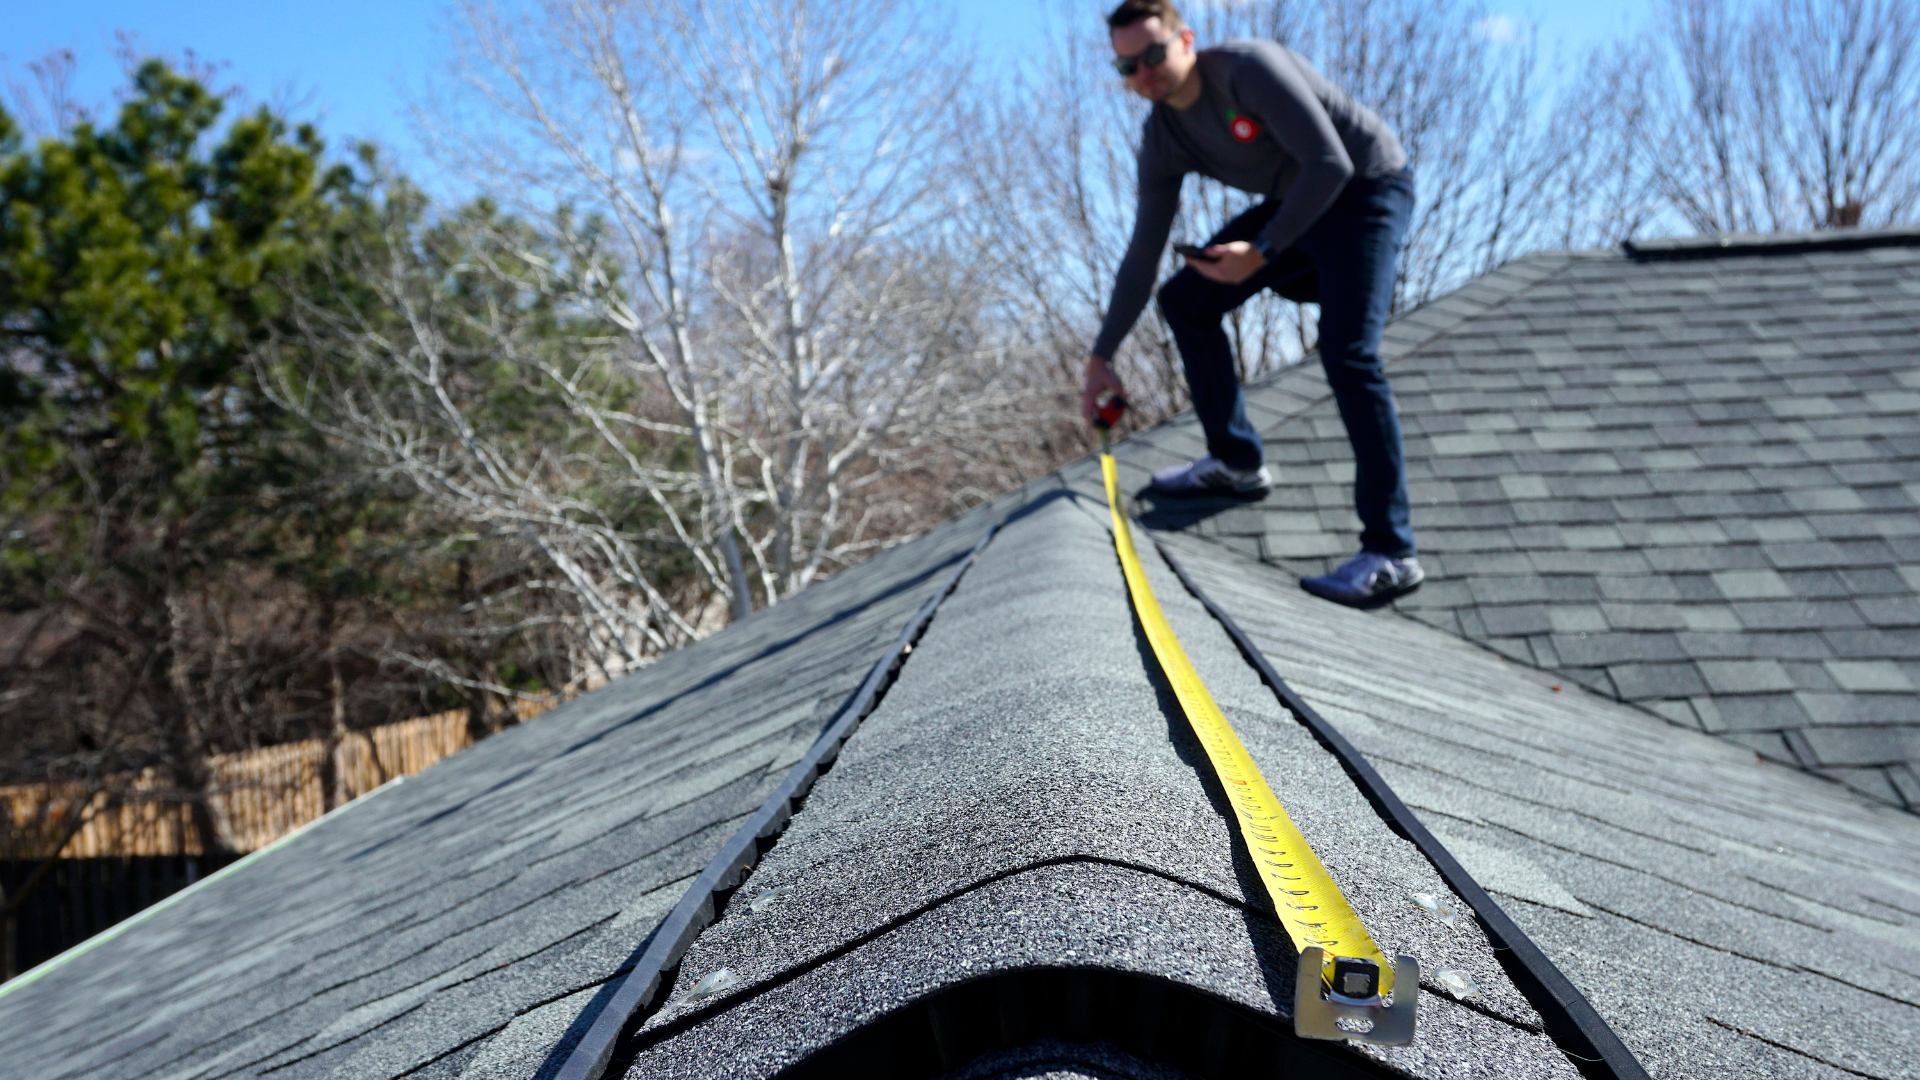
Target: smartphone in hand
x,y
1198,254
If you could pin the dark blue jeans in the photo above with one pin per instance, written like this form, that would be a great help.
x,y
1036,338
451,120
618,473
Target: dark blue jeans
x,y
1346,263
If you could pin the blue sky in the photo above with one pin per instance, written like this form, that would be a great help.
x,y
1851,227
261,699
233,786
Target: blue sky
x,y
354,64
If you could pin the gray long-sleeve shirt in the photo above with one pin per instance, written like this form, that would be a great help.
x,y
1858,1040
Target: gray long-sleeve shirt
x,y
1266,123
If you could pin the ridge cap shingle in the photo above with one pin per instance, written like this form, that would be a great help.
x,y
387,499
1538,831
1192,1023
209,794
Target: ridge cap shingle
x,y
1779,243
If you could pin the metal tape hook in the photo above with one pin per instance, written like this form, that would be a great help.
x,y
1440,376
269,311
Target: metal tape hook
x,y
1351,1007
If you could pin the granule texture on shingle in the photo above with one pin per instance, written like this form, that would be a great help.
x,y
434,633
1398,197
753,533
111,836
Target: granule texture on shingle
x,y
1788,907
448,923
1029,795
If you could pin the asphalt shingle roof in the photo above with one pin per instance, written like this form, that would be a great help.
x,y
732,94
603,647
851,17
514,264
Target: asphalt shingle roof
x,y
1687,477
1027,795
458,922
1728,916
1026,803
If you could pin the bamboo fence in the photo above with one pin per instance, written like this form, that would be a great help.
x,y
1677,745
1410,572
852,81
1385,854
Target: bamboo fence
x,y
257,796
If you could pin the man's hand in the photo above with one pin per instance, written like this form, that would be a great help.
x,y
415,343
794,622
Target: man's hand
x,y
1233,262
1100,380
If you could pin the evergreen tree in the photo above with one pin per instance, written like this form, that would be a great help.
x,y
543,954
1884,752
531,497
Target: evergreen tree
x,y
139,266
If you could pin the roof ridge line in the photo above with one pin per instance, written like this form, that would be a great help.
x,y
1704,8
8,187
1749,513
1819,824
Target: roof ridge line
x,y
1448,307
1714,245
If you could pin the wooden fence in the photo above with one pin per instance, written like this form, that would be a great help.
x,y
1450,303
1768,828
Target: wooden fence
x,y
257,796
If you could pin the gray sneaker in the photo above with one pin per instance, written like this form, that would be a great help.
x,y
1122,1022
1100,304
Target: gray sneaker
x,y
1367,580
1209,477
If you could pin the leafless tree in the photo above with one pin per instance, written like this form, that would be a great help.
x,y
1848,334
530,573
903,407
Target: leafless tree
x,y
1854,141
1786,115
409,381
843,309
1050,187
47,105
1603,191
1716,121
747,332
567,107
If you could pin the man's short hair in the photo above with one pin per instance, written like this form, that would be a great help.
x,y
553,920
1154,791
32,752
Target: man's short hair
x,y
1133,11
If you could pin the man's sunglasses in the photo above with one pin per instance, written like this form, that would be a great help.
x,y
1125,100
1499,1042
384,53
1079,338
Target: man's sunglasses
x,y
1154,55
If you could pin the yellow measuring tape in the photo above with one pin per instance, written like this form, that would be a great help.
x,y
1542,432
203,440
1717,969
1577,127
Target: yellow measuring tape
x,y
1309,904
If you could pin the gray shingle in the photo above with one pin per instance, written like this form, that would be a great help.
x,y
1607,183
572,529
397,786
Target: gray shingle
x,y
1577,619
1761,712
1871,676
1589,562
1864,709
403,930
1687,481
1890,611
1638,682
1826,500
1577,793
1710,619
1676,711
1639,587
1644,616
1801,556
1873,783
1906,783
1594,650
1745,676
1512,620
1874,581
1784,645
1818,584
1148,879
1864,745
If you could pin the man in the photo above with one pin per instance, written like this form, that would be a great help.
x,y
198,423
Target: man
x,y
1338,196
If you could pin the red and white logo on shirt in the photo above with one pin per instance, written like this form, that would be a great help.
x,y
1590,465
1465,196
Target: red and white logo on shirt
x,y
1242,128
